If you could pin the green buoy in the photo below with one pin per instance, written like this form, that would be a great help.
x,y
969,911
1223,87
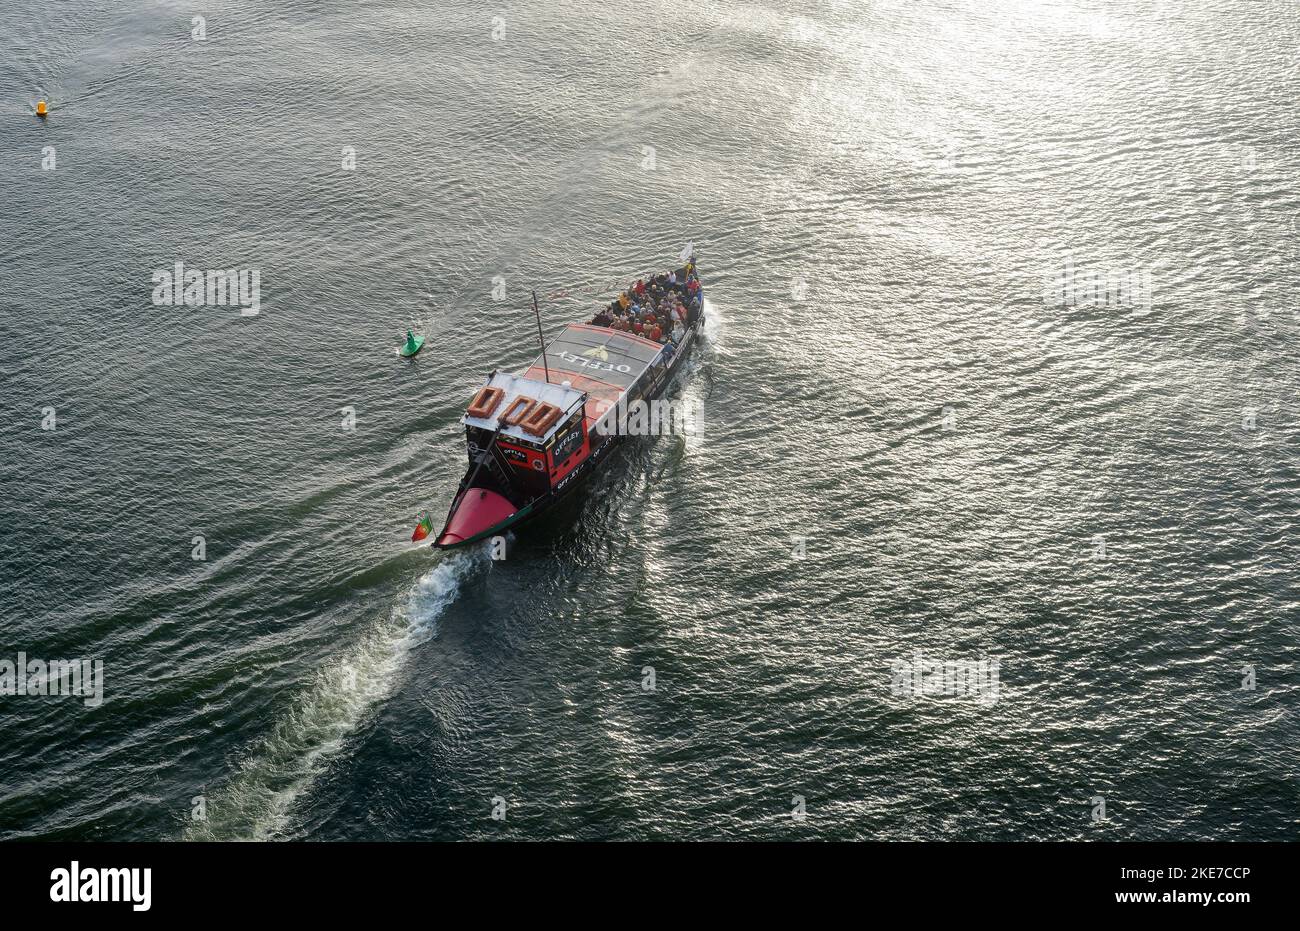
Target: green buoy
x,y
413,345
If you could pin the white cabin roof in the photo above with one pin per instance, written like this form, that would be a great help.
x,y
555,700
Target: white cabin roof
x,y
562,396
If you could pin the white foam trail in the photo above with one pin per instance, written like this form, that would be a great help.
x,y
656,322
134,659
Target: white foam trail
x,y
694,388
713,321
256,802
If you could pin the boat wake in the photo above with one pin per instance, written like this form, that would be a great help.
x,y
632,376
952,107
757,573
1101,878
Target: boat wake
x,y
714,322
256,803
696,389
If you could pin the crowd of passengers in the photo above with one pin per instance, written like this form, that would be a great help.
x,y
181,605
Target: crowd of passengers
x,y
660,309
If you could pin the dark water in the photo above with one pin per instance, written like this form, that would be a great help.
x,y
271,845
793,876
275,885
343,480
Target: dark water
x,y
1101,494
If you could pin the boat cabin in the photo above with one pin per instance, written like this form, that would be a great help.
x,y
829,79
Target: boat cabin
x,y
538,428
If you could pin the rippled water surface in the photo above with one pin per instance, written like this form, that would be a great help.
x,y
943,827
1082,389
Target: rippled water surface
x,y
914,448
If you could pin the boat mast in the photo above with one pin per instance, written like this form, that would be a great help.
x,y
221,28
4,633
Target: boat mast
x,y
538,314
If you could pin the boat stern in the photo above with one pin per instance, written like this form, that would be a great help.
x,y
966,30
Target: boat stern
x,y
479,513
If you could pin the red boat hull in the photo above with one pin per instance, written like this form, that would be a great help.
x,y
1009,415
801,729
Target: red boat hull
x,y
478,512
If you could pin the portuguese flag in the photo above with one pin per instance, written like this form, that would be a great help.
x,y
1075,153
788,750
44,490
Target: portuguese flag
x,y
423,528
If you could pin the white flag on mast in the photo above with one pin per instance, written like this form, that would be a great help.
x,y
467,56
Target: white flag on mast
x,y
685,254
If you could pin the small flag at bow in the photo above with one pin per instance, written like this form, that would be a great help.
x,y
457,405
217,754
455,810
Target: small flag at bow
x,y
423,528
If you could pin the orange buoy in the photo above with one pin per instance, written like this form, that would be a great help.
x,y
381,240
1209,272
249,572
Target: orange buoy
x,y
485,401
540,418
41,108
518,410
